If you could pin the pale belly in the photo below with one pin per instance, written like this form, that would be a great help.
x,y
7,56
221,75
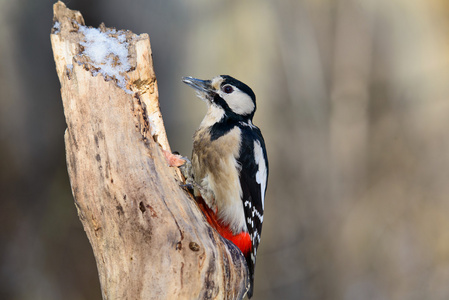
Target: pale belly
x,y
216,171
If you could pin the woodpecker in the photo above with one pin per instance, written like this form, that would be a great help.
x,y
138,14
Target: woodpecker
x,y
229,165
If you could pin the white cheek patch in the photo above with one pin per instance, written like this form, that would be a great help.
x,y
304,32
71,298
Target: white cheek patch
x,y
261,175
238,101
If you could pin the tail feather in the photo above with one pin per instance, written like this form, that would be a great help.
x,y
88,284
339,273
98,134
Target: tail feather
x,y
242,240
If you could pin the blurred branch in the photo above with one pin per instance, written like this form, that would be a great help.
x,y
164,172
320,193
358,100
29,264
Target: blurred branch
x,y
149,238
350,93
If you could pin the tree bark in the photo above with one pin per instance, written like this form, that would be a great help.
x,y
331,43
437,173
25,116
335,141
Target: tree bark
x,y
149,238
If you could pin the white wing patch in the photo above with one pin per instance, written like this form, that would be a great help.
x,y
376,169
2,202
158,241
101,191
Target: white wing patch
x,y
261,175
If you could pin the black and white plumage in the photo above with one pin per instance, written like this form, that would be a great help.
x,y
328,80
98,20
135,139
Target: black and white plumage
x,y
229,162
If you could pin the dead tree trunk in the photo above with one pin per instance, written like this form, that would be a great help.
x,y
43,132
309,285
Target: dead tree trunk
x,y
149,238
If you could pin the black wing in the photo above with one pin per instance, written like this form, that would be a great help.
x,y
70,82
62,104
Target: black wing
x,y
253,180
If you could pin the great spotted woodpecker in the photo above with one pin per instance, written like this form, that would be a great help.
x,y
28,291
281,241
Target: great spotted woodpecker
x,y
229,165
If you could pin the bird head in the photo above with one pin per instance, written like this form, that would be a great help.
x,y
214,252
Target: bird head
x,y
233,96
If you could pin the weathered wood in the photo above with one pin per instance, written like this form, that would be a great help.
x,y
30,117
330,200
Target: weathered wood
x,y
149,238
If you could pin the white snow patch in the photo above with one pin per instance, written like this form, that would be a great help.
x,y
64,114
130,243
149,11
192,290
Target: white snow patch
x,y
152,125
57,27
108,53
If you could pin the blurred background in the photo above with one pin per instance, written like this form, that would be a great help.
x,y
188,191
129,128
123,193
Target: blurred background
x,y
353,103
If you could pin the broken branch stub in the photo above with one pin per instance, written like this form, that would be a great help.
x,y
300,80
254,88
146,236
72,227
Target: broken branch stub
x,y
149,238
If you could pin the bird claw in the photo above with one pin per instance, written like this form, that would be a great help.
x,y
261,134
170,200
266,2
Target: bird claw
x,y
186,170
185,166
188,187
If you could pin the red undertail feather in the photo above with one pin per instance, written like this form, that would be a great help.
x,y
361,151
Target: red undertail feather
x,y
242,240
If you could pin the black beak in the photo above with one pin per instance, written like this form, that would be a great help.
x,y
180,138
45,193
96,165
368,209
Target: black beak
x,y
198,84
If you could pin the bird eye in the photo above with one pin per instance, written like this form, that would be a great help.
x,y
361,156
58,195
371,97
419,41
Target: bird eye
x,y
228,89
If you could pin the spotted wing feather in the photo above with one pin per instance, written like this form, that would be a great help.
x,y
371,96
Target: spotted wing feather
x,y
253,178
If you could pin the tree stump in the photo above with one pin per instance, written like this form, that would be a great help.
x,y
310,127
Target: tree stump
x,y
149,238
